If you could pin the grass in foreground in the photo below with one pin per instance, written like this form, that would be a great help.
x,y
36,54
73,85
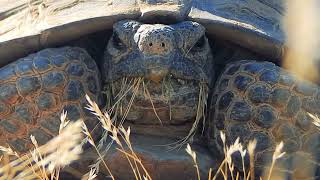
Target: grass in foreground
x,y
45,162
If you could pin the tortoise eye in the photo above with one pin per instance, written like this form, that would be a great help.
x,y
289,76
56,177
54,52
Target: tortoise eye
x,y
116,41
200,43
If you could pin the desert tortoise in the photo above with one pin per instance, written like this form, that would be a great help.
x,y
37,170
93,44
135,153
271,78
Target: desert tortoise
x,y
180,60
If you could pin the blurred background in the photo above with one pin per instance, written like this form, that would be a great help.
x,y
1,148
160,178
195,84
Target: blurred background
x,y
302,26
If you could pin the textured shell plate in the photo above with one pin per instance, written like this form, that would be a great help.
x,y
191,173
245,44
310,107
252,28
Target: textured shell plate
x,y
27,27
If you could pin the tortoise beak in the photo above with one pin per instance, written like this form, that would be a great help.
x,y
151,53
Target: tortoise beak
x,y
156,75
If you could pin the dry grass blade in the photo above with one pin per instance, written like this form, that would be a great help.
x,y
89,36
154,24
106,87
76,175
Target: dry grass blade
x,y
169,96
91,141
243,153
9,151
145,89
136,85
115,133
201,107
58,152
194,158
63,121
136,159
227,166
276,155
236,146
124,90
114,108
316,120
117,106
222,164
251,148
91,175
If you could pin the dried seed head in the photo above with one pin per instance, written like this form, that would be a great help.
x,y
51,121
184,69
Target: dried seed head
x,y
34,141
191,152
223,137
252,146
91,175
9,151
277,153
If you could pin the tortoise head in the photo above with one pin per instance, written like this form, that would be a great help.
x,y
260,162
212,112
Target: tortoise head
x,y
158,72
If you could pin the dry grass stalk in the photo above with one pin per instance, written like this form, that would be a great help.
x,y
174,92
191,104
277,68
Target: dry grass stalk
x,y
114,133
146,91
276,155
63,123
222,164
236,146
194,158
251,148
243,153
133,86
227,166
316,120
201,108
37,164
91,175
90,139
210,174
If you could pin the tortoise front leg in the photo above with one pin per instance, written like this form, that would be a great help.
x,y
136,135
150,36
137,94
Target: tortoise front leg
x,y
34,90
262,101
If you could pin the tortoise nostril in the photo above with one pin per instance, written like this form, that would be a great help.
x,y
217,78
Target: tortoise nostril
x,y
155,44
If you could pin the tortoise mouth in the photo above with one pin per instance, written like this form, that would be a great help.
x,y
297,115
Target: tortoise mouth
x,y
171,101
